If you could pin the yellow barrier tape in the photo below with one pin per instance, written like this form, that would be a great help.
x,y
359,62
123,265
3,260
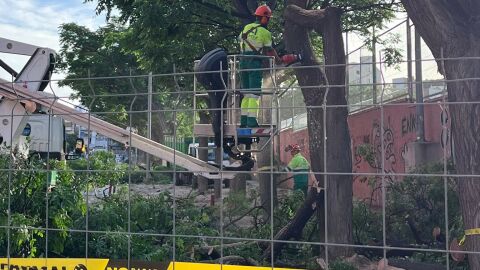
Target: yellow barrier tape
x,y
469,232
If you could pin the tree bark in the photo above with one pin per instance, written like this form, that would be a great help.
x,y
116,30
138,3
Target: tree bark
x,y
450,28
314,83
203,154
294,228
239,183
158,118
268,188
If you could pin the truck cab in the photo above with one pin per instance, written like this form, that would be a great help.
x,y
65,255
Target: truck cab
x,y
193,151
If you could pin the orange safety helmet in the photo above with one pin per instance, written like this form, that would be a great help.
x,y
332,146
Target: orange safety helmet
x,y
292,147
263,11
295,147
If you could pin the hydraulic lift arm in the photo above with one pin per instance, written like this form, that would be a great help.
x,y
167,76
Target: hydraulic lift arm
x,y
34,76
119,134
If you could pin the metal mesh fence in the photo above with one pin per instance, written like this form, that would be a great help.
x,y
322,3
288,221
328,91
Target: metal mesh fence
x,y
129,198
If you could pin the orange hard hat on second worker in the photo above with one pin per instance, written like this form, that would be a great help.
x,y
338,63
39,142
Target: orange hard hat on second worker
x,y
295,147
263,11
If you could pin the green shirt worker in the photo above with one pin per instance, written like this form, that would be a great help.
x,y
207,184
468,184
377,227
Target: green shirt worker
x,y
297,165
254,39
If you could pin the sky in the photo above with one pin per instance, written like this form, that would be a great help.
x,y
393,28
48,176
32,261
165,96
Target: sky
x,y
37,22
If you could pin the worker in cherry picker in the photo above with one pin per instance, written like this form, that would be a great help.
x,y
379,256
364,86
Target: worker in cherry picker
x,y
299,166
255,39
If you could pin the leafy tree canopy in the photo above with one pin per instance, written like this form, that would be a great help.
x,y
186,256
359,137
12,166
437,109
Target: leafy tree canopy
x,y
167,36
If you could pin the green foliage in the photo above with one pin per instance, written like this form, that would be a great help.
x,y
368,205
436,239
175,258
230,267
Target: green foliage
x,y
86,53
392,55
27,196
341,265
164,37
99,169
367,224
360,15
418,201
148,215
366,152
422,200
414,207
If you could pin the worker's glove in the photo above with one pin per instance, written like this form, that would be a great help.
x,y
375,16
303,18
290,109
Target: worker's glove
x,y
284,169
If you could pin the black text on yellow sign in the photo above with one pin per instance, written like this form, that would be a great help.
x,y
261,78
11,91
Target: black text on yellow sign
x,y
107,264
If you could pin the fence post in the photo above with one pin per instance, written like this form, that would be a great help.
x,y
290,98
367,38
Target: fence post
x,y
149,125
374,67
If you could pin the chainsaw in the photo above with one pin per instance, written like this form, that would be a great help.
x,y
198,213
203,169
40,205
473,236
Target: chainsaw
x,y
292,58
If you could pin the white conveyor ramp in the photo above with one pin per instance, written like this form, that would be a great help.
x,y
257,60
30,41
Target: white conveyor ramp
x,y
114,132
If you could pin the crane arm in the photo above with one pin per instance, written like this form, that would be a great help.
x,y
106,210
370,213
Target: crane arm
x,y
117,133
15,47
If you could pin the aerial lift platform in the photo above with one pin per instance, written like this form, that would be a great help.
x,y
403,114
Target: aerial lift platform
x,y
219,75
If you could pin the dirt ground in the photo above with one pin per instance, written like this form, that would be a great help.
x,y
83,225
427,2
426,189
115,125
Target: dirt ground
x,y
94,195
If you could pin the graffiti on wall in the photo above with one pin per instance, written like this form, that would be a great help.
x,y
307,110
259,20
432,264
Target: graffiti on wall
x,y
389,148
409,123
445,135
376,149
382,154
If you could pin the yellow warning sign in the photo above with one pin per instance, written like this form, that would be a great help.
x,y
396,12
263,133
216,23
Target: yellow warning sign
x,y
52,264
107,264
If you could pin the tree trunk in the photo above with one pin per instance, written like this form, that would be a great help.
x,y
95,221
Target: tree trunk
x,y
268,188
298,23
450,28
313,201
239,183
203,154
158,120
159,124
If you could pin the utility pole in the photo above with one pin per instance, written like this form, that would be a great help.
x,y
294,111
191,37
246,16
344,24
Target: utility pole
x,y
374,67
409,61
419,88
347,75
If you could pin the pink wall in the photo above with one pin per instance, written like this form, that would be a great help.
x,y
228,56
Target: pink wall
x,y
399,129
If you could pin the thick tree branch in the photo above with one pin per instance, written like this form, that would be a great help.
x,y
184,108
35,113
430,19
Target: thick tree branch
x,y
305,18
294,228
222,10
241,7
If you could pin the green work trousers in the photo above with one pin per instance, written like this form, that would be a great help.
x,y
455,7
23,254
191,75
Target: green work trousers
x,y
300,181
251,82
